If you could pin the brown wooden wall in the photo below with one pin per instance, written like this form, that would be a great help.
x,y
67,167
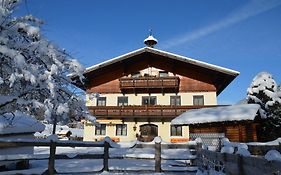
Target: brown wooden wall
x,y
243,132
186,85
110,87
191,85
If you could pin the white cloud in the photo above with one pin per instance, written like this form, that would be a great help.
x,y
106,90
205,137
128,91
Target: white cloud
x,y
250,9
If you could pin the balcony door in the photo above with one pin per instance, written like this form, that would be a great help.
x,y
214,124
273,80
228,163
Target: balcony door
x,y
148,132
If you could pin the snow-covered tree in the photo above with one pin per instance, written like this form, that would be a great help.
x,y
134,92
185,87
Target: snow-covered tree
x,y
265,92
33,71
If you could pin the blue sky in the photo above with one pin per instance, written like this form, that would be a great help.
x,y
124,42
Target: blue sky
x,y
237,34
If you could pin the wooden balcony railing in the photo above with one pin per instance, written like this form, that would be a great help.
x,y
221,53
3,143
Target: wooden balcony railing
x,y
149,83
140,111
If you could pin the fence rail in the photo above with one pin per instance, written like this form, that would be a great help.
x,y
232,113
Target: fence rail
x,y
105,155
233,164
262,149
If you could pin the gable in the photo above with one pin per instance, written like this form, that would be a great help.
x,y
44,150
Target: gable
x,y
146,57
186,84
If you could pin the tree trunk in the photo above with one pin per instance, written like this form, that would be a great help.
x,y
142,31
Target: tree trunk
x,y
54,125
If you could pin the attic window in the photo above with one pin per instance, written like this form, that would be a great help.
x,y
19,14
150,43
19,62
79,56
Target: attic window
x,y
163,74
136,74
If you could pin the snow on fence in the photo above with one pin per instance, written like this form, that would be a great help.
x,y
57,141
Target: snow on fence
x,y
236,164
262,149
158,145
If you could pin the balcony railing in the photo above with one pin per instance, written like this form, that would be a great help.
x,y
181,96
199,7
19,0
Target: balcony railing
x,y
149,83
140,111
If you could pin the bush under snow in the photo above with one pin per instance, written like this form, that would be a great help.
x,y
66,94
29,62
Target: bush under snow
x,y
273,155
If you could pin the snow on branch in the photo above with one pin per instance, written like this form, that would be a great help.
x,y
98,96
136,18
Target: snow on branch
x,y
33,71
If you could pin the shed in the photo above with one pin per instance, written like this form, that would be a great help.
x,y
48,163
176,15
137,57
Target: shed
x,y
64,133
237,122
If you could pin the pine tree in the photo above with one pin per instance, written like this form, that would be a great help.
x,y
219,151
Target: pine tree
x,y
265,92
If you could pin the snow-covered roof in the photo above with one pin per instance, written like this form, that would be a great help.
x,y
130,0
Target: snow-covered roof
x,y
63,132
150,37
163,53
218,114
19,122
76,132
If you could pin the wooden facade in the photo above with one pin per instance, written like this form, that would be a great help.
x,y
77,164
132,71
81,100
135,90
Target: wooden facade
x,y
185,77
239,131
155,84
208,77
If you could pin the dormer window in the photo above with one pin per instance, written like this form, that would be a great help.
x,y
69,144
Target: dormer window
x,y
163,74
136,74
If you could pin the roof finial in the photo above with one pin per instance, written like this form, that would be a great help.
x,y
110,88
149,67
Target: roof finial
x,y
150,41
150,32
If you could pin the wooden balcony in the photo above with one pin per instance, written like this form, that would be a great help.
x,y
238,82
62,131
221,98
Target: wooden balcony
x,y
150,84
140,111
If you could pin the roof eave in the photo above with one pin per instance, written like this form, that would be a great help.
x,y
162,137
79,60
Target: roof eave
x,y
164,53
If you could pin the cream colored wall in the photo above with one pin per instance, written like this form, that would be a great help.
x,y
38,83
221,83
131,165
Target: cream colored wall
x,y
210,98
163,131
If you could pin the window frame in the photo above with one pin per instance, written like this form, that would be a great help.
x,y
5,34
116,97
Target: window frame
x,y
177,132
122,103
99,99
100,129
163,73
135,74
123,132
175,97
149,100
196,98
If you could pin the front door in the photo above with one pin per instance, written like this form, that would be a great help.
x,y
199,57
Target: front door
x,y
148,132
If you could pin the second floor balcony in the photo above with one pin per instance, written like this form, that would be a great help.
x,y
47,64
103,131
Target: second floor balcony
x,y
150,84
140,111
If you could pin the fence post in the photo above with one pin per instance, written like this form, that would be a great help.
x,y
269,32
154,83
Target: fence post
x,y
158,141
198,147
240,165
106,155
220,144
51,165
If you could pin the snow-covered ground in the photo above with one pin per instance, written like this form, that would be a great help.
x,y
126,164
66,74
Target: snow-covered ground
x,y
93,165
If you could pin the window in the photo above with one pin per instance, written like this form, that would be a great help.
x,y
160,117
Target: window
x,y
101,101
163,74
122,101
198,100
100,129
136,74
150,100
176,130
175,100
121,129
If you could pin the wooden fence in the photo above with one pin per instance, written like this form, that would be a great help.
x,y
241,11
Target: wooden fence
x,y
233,164
263,149
193,147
